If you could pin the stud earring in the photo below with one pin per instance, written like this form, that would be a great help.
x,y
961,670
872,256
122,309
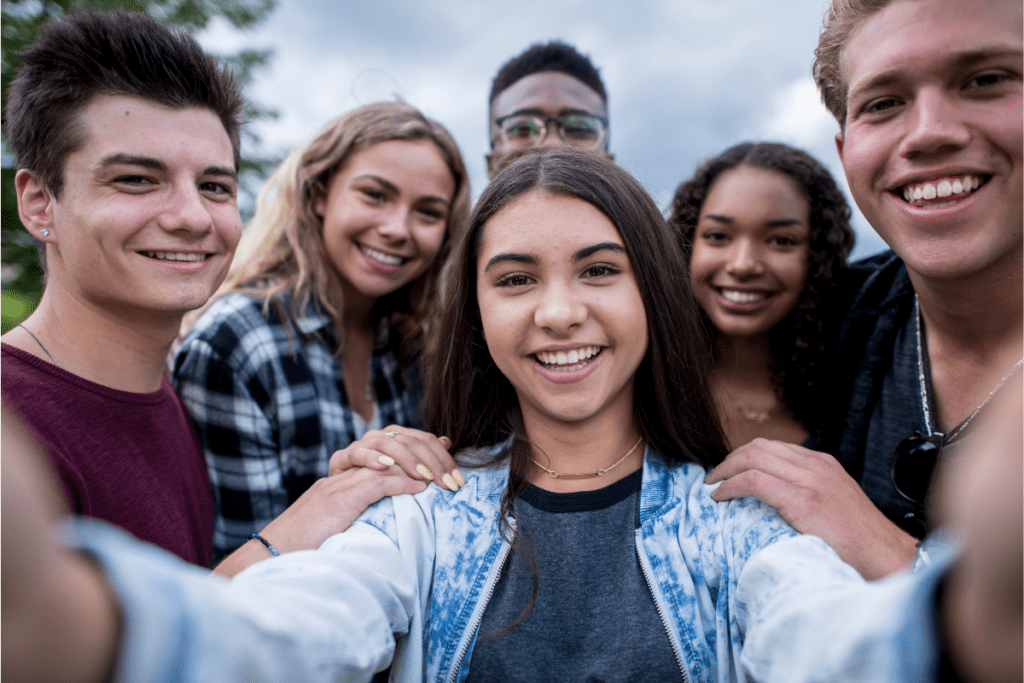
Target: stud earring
x,y
44,232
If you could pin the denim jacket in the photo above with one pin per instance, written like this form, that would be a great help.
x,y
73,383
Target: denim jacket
x,y
737,605
716,570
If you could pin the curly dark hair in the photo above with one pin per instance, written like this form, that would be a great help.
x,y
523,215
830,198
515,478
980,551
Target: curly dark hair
x,y
798,344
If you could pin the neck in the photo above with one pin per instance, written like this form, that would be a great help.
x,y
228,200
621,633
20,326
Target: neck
x,y
975,314
974,333
582,448
120,350
744,361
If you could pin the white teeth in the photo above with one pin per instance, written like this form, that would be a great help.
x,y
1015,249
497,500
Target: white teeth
x,y
386,259
174,256
941,189
738,297
568,358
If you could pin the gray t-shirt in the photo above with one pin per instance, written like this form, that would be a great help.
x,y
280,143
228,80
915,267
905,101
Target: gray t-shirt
x,y
594,618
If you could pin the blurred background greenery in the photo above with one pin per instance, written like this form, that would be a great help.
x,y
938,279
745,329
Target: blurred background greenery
x,y
21,276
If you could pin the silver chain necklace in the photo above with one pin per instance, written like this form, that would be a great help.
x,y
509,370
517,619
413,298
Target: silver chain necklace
x,y
923,387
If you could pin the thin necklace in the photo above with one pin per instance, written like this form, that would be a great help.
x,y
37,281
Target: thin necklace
x,y
54,360
600,472
948,438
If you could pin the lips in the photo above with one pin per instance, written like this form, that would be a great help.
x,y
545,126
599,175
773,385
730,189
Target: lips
x,y
739,296
568,361
941,191
174,255
381,260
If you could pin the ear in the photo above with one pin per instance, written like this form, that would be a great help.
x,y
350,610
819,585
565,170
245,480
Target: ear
x,y
839,145
319,204
35,205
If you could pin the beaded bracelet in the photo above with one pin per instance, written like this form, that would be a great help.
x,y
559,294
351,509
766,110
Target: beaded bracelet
x,y
272,549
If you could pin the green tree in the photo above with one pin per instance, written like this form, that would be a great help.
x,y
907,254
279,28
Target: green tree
x,y
19,22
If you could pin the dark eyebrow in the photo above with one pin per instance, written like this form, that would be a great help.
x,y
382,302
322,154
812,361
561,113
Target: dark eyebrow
x,y
393,189
517,258
538,112
961,60
132,160
589,251
157,165
783,222
717,217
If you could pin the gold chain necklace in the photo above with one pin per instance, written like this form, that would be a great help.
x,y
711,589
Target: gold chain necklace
x,y
600,472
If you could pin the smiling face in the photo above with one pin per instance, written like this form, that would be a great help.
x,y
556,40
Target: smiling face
x,y
385,216
561,311
148,217
750,250
933,143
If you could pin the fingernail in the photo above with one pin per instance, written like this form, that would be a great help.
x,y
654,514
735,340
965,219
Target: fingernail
x,y
449,481
446,442
386,460
424,472
457,476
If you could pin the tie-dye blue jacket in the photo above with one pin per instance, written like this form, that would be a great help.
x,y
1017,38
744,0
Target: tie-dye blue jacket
x,y
718,572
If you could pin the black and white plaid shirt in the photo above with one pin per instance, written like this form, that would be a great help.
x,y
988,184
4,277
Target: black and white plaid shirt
x,y
271,408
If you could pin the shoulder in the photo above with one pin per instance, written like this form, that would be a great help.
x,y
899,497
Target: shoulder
x,y
879,280
228,319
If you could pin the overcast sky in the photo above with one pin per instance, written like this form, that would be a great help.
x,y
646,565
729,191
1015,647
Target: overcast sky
x,y
685,78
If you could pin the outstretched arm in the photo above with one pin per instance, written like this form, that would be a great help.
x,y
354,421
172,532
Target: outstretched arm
x,y
816,496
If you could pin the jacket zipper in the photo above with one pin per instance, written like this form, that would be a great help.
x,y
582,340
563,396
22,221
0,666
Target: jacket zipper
x,y
646,571
506,548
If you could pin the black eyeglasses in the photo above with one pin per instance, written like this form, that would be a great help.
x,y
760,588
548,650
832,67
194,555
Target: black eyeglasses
x,y
913,464
586,131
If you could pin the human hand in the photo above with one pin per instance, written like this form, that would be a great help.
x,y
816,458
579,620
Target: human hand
x,y
816,496
326,508
421,455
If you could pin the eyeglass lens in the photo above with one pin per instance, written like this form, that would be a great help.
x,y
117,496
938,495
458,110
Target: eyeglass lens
x,y
913,464
579,130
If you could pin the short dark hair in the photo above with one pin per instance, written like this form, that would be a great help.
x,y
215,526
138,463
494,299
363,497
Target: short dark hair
x,y
114,52
469,399
552,56
796,342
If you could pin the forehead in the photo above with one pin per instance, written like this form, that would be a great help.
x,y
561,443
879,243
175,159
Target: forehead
x,y
118,124
749,189
550,93
547,226
909,38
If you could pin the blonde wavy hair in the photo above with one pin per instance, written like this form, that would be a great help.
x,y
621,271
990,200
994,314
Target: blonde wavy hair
x,y
283,251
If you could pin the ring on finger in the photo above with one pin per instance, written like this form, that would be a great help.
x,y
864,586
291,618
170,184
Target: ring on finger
x,y
391,434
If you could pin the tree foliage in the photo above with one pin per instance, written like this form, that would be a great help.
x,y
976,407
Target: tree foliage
x,y
19,23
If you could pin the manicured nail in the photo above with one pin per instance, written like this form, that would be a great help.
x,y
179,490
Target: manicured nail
x,y
386,460
457,476
449,481
424,472
446,442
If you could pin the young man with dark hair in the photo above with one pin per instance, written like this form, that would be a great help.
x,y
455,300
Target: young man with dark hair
x,y
550,95
127,176
928,96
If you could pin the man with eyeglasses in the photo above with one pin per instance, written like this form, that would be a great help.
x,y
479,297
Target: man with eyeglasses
x,y
550,96
928,97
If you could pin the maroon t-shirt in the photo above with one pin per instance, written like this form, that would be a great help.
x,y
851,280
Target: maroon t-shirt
x,y
130,459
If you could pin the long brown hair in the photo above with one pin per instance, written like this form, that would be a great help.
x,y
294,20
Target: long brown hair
x,y
468,398
283,249
470,401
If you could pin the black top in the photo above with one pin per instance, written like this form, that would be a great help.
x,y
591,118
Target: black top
x,y
594,618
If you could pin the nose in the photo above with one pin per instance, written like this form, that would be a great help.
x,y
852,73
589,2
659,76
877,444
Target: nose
x,y
186,211
560,309
744,259
933,125
394,225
